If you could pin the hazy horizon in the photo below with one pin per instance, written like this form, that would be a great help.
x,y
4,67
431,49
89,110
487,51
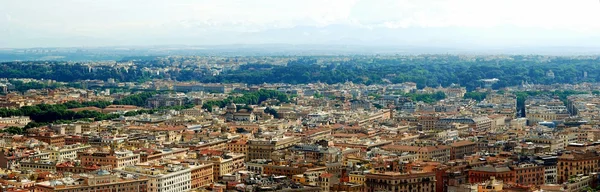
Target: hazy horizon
x,y
469,24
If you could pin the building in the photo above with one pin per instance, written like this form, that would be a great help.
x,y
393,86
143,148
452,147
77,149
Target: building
x,y
15,120
428,122
238,146
163,178
65,153
317,153
167,100
98,181
76,167
257,165
577,162
202,175
114,159
439,153
484,173
394,181
529,174
291,170
360,104
158,154
225,164
461,149
492,185
481,123
50,138
264,148
233,114
41,165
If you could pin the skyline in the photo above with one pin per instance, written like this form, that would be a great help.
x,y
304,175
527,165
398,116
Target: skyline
x,y
463,24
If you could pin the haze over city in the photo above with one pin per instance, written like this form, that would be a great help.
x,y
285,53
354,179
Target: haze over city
x,y
300,95
434,23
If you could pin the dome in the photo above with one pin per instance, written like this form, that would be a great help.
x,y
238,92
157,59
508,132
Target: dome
x,y
231,106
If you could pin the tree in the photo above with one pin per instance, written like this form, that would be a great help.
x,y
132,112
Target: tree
x,y
478,96
272,111
14,130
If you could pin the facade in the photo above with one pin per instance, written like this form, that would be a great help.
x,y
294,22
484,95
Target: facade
x,y
575,163
64,153
153,155
462,148
264,148
529,174
393,181
202,175
289,171
428,122
225,164
38,165
481,123
51,138
166,100
238,146
99,181
440,153
114,159
165,178
484,173
15,120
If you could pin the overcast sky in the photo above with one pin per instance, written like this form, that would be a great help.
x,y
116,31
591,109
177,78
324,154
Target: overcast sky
x,y
49,23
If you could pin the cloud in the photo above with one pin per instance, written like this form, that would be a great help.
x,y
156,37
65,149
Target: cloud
x,y
117,19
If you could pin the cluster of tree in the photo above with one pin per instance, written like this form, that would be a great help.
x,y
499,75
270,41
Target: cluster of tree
x,y
22,86
249,98
475,95
138,99
75,104
44,113
427,98
562,95
272,111
68,72
14,130
425,70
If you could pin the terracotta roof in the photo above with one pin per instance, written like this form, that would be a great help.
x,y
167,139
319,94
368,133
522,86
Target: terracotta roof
x,y
327,175
462,143
415,148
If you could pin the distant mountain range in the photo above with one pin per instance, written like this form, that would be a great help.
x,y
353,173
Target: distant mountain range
x,y
310,40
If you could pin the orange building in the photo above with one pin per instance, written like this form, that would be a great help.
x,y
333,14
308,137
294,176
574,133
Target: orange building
x,y
461,149
530,174
394,181
100,181
290,171
238,146
113,159
51,138
202,175
481,174
576,162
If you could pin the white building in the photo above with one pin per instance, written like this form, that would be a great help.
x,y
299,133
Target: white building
x,y
65,153
550,173
167,178
15,120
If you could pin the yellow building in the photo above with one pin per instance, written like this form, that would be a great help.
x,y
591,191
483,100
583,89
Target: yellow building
x,y
490,186
225,164
264,148
576,162
357,177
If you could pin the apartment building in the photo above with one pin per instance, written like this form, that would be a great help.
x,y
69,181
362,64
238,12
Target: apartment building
x,y
114,159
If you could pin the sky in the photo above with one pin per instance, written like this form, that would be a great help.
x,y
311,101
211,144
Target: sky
x,y
452,23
